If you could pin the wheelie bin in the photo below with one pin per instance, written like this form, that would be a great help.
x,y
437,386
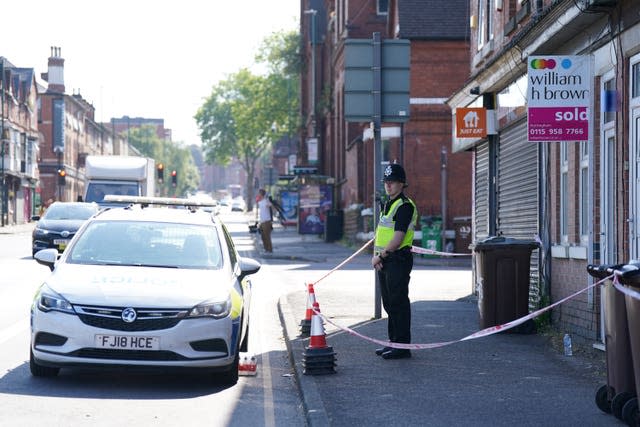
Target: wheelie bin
x,y
502,271
631,280
432,236
620,387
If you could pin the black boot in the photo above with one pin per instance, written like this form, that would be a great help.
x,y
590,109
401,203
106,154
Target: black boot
x,y
396,353
379,351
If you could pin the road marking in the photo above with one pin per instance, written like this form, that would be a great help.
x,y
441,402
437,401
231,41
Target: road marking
x,y
267,383
269,413
14,330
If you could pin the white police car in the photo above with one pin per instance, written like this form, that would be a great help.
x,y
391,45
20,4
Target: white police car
x,y
144,286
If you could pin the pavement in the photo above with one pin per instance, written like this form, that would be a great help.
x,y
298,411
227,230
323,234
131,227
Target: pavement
x,y
502,380
17,228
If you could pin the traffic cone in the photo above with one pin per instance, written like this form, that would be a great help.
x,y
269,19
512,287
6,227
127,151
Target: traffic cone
x,y
318,358
305,324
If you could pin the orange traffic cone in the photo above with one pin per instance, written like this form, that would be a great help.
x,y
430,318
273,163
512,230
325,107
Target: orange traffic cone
x,y
318,339
318,357
305,324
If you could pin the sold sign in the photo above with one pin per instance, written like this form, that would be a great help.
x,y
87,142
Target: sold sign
x,y
559,98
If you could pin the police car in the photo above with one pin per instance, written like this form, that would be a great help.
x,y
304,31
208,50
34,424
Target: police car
x,y
144,286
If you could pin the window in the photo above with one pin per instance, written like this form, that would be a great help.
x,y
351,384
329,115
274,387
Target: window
x,y
341,17
584,192
635,78
383,7
564,192
485,22
607,168
230,246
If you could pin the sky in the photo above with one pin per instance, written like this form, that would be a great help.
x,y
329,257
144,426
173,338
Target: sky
x,y
156,59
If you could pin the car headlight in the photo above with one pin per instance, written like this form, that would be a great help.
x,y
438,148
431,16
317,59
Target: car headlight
x,y
215,309
48,300
40,232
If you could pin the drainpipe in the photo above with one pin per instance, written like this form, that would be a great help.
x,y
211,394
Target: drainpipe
x,y
443,196
488,102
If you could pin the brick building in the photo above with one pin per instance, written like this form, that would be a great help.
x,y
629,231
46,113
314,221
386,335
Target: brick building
x,y
19,133
122,125
69,133
439,64
579,197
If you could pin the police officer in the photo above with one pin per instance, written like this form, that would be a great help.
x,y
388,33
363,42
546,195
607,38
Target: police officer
x,y
393,261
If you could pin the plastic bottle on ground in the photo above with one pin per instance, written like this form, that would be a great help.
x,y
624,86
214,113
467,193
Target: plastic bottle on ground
x,y
568,350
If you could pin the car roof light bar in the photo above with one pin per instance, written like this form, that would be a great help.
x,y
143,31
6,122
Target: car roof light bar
x,y
165,201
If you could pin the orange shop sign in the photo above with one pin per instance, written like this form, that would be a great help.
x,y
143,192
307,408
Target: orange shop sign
x,y
471,122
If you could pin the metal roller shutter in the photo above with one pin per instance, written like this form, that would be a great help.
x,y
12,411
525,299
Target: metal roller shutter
x,y
481,192
517,198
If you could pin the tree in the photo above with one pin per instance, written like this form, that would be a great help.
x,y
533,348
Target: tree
x,y
246,112
172,156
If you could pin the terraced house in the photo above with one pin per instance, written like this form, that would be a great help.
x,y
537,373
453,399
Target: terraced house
x,y
19,149
439,180
579,193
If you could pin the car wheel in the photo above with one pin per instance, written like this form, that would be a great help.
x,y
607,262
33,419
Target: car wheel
x,y
39,370
230,377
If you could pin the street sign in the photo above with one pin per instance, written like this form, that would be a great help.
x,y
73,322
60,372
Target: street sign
x,y
359,83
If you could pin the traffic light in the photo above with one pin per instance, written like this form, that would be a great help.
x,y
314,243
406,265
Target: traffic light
x,y
174,178
160,172
62,177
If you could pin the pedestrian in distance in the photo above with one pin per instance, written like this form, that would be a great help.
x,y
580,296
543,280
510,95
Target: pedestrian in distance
x,y
43,207
265,219
393,261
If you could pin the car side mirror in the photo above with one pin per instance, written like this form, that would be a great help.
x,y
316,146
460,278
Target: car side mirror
x,y
248,266
47,257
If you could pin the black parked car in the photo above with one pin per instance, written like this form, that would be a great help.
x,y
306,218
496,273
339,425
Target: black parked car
x,y
59,224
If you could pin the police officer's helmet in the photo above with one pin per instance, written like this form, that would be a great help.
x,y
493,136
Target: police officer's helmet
x,y
394,172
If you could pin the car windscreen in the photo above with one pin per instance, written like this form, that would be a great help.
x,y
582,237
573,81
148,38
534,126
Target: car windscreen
x,y
151,244
70,212
97,190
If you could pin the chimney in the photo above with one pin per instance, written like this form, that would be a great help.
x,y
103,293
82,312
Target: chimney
x,y
55,73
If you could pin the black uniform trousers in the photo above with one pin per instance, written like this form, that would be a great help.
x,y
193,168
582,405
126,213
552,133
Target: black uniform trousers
x,y
394,289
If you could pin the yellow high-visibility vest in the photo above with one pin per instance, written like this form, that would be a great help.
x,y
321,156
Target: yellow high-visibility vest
x,y
386,224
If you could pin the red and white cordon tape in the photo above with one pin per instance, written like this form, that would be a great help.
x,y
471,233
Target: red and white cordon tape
x,y
479,334
482,333
414,249
419,250
625,290
339,266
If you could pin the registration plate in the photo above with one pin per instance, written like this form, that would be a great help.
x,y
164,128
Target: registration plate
x,y
126,342
62,243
